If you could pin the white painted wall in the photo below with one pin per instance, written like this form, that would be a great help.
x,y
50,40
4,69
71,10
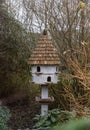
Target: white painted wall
x,y
44,73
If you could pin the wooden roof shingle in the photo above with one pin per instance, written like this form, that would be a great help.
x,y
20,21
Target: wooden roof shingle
x,y
44,53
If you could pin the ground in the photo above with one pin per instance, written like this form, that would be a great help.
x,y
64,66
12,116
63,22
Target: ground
x,y
22,113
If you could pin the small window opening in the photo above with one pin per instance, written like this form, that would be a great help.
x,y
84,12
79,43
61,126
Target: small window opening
x,y
56,69
49,79
38,69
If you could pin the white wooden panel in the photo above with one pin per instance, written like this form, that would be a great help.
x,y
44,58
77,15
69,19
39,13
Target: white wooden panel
x,y
45,72
44,92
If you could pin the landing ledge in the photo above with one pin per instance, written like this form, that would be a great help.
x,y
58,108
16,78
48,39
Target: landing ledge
x,y
45,100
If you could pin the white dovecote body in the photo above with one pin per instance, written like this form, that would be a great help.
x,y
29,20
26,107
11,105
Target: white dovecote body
x,y
44,74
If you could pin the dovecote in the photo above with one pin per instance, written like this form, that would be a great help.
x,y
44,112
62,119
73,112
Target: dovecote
x,y
44,62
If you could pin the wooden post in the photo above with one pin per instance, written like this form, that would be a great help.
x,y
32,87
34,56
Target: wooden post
x,y
44,95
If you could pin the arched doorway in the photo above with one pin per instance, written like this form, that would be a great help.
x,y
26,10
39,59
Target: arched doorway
x,y
48,79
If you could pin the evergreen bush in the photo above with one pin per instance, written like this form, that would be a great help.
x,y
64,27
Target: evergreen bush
x,y
4,117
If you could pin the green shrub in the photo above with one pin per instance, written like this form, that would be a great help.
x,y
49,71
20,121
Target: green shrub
x,y
4,117
53,118
78,124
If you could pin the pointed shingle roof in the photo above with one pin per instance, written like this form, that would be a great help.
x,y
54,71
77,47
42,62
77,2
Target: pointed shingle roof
x,y
44,53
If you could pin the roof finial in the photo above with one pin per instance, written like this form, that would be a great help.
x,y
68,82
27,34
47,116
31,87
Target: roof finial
x,y
44,32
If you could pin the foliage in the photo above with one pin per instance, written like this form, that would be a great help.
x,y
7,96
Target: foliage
x,y
78,124
53,118
16,45
48,120
69,95
73,90
4,117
